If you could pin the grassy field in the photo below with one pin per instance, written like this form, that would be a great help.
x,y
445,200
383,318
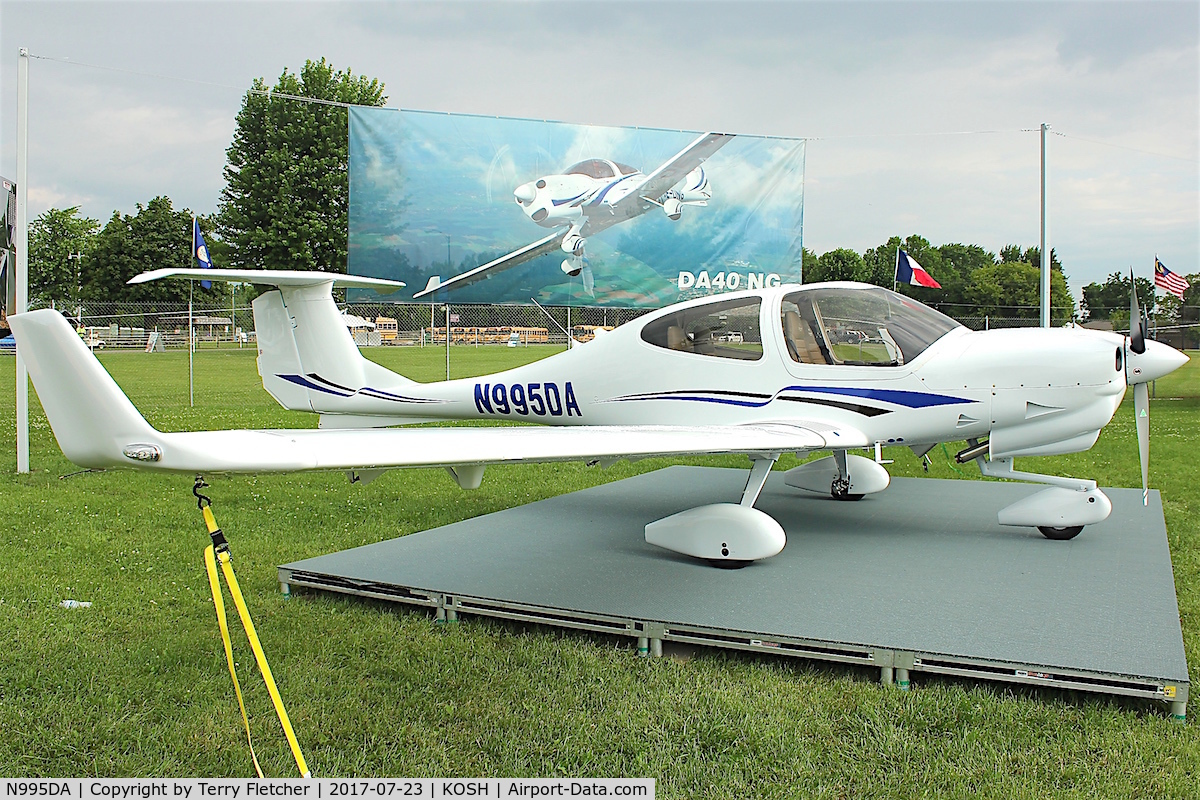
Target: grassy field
x,y
136,685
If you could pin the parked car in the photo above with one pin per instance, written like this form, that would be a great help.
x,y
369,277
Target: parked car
x,y
8,345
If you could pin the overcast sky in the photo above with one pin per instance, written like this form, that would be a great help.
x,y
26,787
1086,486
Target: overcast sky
x,y
893,97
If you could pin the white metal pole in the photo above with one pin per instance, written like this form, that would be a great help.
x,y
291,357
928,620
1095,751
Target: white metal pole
x,y
22,264
447,341
191,349
1045,249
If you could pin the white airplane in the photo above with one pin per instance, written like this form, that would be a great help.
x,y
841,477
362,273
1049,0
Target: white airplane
x,y
837,367
594,195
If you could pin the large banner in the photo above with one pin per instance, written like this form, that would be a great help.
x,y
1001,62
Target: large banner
x,y
501,210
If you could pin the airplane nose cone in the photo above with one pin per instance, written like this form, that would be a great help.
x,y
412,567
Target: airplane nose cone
x,y
1158,360
525,193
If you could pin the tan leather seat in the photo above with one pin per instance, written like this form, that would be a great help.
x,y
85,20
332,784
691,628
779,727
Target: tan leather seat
x,y
676,338
802,345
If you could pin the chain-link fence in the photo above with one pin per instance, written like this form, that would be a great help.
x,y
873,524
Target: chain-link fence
x,y
135,325
131,325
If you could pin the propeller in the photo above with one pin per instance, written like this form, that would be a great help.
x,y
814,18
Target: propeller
x,y
1145,361
1141,391
1141,408
1137,323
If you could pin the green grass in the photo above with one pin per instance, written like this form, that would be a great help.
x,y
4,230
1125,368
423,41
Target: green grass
x,y
136,685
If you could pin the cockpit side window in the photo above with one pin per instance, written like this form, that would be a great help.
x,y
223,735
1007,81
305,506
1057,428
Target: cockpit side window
x,y
593,168
861,327
724,329
625,168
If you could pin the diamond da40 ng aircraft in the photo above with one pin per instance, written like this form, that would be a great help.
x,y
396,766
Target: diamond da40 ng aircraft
x,y
836,367
592,196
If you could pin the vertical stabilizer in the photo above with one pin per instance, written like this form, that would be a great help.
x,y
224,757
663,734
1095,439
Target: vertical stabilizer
x,y
277,353
93,420
305,352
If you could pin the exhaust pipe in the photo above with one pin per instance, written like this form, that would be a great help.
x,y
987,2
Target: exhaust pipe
x,y
971,453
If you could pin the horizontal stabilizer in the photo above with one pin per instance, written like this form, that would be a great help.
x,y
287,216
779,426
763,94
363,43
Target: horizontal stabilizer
x,y
272,277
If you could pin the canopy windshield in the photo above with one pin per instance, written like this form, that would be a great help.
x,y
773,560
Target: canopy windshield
x,y
864,327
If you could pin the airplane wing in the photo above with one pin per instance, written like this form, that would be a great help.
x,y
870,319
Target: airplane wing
x,y
272,277
97,426
674,170
527,253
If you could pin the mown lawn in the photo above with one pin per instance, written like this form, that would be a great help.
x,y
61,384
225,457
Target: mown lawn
x,y
136,685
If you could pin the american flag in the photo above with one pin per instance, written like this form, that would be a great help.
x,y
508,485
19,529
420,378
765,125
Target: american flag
x,y
1168,281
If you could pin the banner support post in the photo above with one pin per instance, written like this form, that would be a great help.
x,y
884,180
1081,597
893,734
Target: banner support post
x,y
22,260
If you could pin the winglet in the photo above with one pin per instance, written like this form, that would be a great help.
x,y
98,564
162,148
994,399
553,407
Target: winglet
x,y
93,420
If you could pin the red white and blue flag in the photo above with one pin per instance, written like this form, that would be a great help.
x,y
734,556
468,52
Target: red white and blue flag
x,y
910,272
1168,281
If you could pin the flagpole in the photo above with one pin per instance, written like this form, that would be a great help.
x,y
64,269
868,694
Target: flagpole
x,y
191,328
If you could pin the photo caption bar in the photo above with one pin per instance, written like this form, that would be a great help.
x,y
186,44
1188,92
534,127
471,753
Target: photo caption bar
x,y
321,788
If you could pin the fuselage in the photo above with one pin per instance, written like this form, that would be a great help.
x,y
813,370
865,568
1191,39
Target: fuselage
x,y
584,196
844,355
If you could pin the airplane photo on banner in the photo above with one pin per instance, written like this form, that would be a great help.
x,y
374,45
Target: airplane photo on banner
x,y
471,209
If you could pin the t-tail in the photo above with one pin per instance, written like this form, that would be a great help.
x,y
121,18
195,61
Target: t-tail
x,y
307,358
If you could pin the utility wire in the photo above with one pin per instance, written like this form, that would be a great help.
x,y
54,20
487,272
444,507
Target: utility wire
x,y
917,134
1124,147
269,93
262,92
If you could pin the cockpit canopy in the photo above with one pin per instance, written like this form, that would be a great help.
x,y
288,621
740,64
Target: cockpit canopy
x,y
864,327
599,168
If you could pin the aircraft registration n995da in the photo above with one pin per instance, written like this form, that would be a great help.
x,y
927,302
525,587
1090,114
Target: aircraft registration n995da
x,y
835,367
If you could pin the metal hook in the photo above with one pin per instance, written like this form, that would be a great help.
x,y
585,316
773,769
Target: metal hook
x,y
201,499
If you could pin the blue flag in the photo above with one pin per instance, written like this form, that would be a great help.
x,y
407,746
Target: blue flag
x,y
200,251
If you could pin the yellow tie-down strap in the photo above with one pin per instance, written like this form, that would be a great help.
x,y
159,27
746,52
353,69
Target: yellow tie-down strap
x,y
211,557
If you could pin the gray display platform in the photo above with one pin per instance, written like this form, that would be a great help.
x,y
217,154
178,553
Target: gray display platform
x,y
917,578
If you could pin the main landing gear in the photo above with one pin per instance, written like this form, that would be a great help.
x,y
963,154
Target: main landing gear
x,y
726,535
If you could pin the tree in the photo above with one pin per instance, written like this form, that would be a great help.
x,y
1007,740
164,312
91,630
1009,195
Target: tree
x,y
58,240
156,236
1110,300
1013,289
287,195
959,264
837,265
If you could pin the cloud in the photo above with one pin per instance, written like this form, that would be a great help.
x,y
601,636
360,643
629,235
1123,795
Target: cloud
x,y
862,75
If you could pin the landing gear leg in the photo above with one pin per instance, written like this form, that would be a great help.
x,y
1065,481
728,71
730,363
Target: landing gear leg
x,y
759,470
840,489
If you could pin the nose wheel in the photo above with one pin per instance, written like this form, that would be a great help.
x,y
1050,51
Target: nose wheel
x,y
1060,534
